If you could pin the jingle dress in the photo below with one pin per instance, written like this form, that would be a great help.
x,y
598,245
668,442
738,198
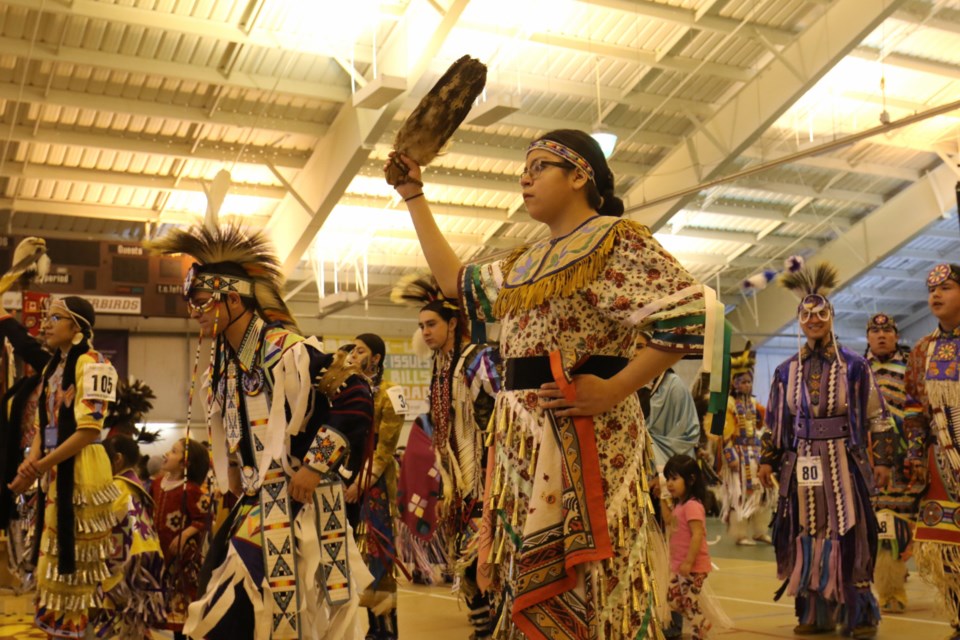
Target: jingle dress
x,y
574,493
823,413
933,378
65,598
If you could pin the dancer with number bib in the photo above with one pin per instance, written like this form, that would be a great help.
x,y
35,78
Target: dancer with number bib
x,y
824,411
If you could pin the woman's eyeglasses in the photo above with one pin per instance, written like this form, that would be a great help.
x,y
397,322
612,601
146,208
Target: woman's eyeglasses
x,y
537,166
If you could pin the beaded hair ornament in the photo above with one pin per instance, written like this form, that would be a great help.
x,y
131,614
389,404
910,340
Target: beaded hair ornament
x,y
881,321
941,273
566,153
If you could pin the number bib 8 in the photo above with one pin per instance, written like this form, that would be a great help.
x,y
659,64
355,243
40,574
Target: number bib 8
x,y
99,382
886,525
809,471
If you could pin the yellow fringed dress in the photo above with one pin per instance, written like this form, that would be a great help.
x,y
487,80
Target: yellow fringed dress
x,y
64,601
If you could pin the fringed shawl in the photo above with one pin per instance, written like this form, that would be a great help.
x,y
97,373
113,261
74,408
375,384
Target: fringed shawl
x,y
560,266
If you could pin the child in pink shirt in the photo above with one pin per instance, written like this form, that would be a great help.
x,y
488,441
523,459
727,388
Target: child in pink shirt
x,y
689,559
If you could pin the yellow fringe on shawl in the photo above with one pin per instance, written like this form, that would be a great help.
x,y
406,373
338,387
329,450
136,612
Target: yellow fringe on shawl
x,y
567,281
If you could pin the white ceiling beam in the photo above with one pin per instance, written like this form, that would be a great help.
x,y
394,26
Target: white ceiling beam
x,y
110,212
151,66
689,18
804,191
345,149
739,122
770,215
744,237
125,141
931,22
842,164
161,110
634,55
913,63
545,123
119,178
865,244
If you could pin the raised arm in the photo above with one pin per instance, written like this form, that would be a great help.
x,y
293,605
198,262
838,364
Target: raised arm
x,y
443,262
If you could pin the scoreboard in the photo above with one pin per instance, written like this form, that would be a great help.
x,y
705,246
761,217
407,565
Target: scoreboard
x,y
118,278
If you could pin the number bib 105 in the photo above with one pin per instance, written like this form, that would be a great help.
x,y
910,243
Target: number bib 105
x,y
809,471
99,382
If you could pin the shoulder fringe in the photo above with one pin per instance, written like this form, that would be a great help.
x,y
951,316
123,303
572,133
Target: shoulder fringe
x,y
566,282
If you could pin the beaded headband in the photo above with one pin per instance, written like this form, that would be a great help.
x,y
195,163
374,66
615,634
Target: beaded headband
x,y
215,283
814,303
943,272
566,153
882,321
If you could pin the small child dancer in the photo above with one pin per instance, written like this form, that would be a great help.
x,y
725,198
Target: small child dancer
x,y
133,594
181,519
689,559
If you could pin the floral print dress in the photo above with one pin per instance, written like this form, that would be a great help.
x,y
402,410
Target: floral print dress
x,y
568,540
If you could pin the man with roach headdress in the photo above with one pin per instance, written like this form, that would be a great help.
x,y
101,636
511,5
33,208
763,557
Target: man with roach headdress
x,y
824,413
294,420
933,378
464,383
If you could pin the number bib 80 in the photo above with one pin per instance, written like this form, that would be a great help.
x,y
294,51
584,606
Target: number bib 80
x,y
809,471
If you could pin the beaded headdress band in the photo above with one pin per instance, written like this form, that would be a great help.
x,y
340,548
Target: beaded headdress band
x,y
216,283
882,321
943,272
566,153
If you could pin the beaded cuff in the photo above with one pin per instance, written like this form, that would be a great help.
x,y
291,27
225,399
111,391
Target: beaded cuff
x,y
328,450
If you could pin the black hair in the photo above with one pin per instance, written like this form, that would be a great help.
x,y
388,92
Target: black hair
x,y
378,348
448,312
683,466
124,446
600,191
82,309
198,461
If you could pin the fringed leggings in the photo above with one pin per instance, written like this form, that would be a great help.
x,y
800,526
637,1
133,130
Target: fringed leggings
x,y
684,598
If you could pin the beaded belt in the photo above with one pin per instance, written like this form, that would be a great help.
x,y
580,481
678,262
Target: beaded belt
x,y
824,428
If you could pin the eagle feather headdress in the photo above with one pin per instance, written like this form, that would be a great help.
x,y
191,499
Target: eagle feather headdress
x,y
250,250
440,112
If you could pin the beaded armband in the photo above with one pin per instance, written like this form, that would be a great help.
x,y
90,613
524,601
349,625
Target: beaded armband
x,y
333,378
327,451
884,448
768,453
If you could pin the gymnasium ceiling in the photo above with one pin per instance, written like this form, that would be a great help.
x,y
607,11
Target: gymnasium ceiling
x,y
115,117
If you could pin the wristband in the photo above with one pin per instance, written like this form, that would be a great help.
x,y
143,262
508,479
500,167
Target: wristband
x,y
413,197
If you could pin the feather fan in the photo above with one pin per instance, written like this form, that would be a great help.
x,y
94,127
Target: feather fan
x,y
132,405
437,116
805,281
231,243
29,261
